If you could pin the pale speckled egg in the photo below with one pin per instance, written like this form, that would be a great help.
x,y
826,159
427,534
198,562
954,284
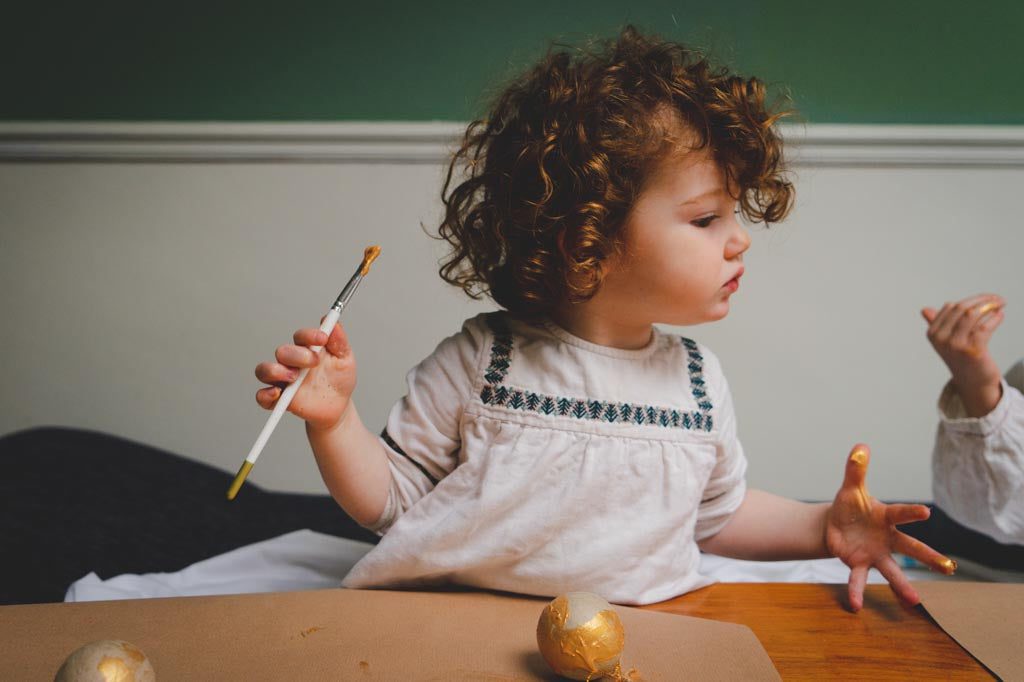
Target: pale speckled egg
x,y
106,660
580,636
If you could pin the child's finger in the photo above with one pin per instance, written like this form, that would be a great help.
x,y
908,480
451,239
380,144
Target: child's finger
x,y
897,581
970,311
275,374
915,549
985,316
989,303
929,314
858,579
977,339
937,320
942,328
988,311
309,336
960,334
296,356
337,344
897,514
982,304
857,466
267,397
990,321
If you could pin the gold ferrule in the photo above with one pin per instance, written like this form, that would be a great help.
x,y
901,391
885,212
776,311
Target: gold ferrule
x,y
369,256
239,479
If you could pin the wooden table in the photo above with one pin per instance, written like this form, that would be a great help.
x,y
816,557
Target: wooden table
x,y
810,635
805,629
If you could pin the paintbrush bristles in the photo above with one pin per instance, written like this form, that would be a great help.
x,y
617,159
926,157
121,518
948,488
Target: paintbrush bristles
x,y
369,256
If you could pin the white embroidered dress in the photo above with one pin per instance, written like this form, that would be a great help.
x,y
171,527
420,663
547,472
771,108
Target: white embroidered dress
x,y
529,460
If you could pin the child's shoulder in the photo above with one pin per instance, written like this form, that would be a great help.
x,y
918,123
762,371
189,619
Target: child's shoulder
x,y
480,335
701,353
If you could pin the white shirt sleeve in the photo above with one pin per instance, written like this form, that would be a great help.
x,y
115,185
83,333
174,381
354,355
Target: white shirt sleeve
x,y
978,463
727,486
422,436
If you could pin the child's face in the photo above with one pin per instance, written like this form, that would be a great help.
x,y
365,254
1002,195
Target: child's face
x,y
683,247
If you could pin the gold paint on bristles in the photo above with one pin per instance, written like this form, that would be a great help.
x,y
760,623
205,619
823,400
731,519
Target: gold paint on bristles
x,y
239,479
369,256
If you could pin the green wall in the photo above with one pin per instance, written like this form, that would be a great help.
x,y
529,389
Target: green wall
x,y
869,62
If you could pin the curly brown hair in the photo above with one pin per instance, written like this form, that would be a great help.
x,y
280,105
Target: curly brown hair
x,y
550,175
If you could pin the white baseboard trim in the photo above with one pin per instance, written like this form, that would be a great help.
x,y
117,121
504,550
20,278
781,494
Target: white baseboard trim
x,y
431,143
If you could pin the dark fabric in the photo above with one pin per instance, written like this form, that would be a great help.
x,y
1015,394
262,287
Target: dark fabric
x,y
945,535
74,501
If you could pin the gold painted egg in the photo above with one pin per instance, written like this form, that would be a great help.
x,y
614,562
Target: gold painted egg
x,y
580,636
107,660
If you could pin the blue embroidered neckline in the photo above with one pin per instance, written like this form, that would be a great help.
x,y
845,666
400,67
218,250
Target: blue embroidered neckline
x,y
496,392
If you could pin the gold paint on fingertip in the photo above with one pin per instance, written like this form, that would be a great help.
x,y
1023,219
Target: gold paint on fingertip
x,y
369,256
236,485
860,457
948,566
989,307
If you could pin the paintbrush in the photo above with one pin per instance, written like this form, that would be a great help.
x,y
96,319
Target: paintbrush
x,y
327,326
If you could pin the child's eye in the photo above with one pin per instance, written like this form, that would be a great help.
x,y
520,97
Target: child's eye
x,y
705,221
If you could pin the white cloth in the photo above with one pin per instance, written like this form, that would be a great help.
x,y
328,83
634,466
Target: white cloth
x,y
307,560
529,460
723,569
978,463
300,560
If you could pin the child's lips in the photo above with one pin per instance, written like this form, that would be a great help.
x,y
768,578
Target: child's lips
x,y
734,284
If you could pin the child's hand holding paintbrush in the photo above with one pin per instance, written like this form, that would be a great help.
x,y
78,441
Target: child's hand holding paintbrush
x,y
324,395
960,333
314,378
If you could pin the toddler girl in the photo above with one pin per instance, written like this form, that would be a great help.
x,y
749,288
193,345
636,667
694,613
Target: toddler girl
x,y
565,443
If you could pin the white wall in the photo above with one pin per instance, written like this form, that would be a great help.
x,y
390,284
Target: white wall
x,y
137,298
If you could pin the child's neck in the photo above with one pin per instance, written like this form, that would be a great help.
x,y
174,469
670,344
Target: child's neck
x,y
590,323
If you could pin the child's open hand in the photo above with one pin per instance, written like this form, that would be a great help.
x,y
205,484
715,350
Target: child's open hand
x,y
325,394
960,333
862,532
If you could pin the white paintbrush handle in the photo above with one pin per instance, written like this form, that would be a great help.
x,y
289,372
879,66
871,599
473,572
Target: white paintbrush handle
x,y
286,397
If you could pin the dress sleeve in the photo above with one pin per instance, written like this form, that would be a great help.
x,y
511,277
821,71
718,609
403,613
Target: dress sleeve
x,y
727,486
978,464
422,436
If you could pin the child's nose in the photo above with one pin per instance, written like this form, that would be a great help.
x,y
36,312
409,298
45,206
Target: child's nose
x,y
739,241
